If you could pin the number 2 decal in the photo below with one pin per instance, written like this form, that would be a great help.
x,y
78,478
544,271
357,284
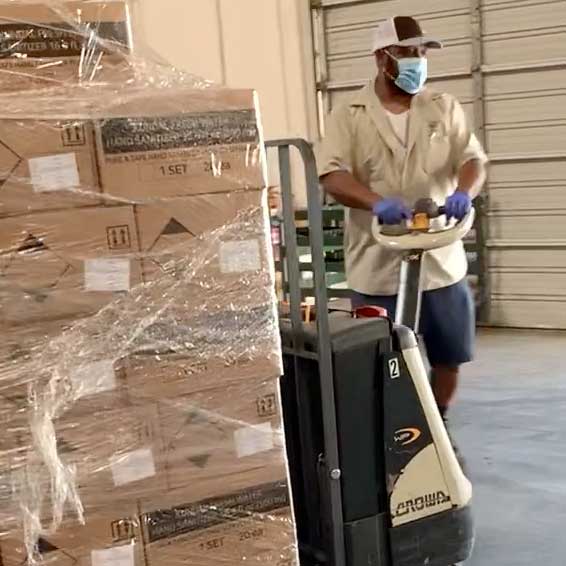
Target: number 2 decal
x,y
394,368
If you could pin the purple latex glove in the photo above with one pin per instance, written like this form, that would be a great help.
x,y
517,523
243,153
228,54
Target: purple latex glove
x,y
391,211
458,205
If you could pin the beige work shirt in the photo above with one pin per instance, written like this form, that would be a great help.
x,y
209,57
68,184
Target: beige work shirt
x,y
360,139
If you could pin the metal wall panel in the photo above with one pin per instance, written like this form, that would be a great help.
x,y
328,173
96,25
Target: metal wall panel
x,y
522,311
524,46
507,281
526,226
505,60
525,185
522,30
546,258
527,138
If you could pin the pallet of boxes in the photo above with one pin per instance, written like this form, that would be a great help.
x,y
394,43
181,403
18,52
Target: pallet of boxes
x,y
140,356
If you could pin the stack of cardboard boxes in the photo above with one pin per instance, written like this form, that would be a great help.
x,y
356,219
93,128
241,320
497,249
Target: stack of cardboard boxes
x,y
58,43
136,295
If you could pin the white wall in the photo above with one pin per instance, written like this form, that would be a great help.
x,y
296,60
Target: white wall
x,y
243,43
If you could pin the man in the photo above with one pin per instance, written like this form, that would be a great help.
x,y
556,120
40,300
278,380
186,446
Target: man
x,y
394,143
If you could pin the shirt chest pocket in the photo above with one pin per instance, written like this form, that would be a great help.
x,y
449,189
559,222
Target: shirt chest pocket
x,y
436,148
368,155
371,156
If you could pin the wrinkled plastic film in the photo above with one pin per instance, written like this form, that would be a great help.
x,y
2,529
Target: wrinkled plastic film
x,y
140,356
58,43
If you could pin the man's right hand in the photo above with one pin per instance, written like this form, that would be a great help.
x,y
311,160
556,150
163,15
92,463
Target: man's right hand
x,y
391,211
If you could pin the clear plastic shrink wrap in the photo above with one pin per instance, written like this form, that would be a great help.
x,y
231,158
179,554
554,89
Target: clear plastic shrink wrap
x,y
139,358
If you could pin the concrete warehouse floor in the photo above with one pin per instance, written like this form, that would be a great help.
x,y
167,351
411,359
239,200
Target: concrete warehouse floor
x,y
510,422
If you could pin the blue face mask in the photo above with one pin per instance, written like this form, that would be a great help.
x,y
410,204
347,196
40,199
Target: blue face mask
x,y
413,73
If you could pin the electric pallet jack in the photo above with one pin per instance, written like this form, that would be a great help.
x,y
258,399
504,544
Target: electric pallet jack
x,y
374,477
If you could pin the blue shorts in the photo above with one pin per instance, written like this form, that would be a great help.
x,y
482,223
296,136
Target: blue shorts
x,y
447,322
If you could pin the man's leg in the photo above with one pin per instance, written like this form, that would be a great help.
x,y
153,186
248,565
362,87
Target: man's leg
x,y
449,332
444,386
448,326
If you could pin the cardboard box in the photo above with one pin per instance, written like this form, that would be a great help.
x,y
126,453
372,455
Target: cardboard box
x,y
219,282
179,143
118,455
15,442
91,387
210,257
66,264
46,165
152,378
170,231
19,349
218,423
104,539
20,345
252,526
212,436
44,46
14,420
100,390
190,447
17,373
205,323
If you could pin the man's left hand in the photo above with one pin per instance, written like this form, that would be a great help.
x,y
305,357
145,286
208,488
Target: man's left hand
x,y
458,205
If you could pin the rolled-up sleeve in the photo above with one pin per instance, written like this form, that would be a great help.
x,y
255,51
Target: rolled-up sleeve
x,y
465,143
334,152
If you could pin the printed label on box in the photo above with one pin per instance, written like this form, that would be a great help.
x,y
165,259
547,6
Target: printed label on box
x,y
133,466
240,256
54,173
265,499
92,379
110,274
22,41
205,164
129,135
119,556
253,440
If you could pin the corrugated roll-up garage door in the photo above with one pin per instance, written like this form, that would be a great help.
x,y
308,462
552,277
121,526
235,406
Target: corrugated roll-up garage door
x,y
505,61
524,45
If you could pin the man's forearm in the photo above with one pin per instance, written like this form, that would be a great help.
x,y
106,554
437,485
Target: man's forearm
x,y
344,187
471,177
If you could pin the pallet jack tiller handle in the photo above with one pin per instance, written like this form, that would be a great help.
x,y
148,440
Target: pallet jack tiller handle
x,y
420,234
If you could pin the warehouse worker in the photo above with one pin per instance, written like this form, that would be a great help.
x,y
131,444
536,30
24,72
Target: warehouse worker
x,y
393,143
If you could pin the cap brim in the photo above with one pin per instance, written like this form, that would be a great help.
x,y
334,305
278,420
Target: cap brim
x,y
429,42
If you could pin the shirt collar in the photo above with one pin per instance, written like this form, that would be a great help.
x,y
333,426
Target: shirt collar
x,y
366,96
421,114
